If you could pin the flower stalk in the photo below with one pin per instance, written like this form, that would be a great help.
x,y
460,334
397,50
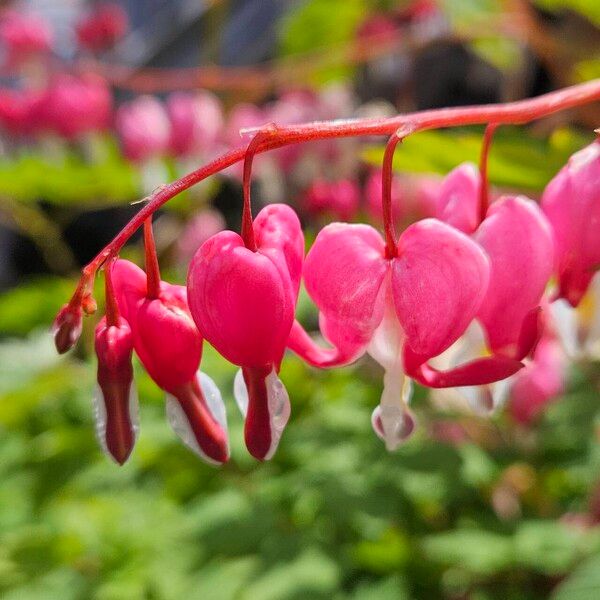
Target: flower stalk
x,y
513,113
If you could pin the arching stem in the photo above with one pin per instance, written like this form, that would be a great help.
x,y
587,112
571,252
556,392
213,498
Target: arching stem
x,y
112,308
484,191
152,268
247,229
514,113
391,244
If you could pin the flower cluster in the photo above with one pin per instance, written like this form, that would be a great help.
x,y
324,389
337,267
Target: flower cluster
x,y
486,295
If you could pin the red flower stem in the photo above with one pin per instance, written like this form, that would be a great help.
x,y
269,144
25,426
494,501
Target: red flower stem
x,y
247,228
152,268
513,113
112,308
391,244
483,169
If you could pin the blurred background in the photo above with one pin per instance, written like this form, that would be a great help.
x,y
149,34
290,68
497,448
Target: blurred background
x,y
101,103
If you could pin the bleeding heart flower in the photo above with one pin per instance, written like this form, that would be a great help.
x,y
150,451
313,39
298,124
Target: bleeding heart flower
x,y
458,198
170,348
196,122
540,382
115,401
517,238
24,35
143,127
339,199
101,28
402,310
243,303
571,201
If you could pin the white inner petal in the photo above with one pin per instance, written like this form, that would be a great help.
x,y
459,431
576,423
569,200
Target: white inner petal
x,y
278,403
391,420
180,424
240,392
566,325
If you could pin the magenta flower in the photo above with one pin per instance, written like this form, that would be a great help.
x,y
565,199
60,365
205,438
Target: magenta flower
x,y
115,401
196,122
170,348
458,198
402,309
143,127
101,28
24,35
242,294
337,199
571,201
540,382
72,106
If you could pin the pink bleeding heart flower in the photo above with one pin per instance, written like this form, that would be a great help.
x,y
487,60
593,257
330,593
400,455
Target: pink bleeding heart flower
x,y
19,110
101,28
541,382
203,225
115,401
67,327
143,128
571,202
338,199
170,348
196,122
458,198
72,106
24,35
243,302
517,238
402,309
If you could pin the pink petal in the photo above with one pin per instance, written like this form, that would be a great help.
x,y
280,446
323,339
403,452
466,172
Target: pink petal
x,y
458,199
540,382
518,240
343,273
438,282
279,234
480,371
241,300
571,201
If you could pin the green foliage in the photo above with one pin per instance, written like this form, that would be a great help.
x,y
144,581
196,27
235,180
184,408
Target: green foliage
x,y
66,177
320,24
517,159
332,516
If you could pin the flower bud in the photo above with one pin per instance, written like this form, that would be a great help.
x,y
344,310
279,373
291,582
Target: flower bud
x,y
66,328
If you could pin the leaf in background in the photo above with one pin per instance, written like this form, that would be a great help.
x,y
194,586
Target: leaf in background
x,y
481,552
320,24
32,304
517,159
582,584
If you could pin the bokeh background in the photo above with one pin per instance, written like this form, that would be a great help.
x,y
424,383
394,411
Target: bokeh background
x,y
471,508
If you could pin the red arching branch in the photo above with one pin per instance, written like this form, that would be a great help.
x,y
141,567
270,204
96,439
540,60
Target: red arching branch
x,y
247,229
391,246
513,113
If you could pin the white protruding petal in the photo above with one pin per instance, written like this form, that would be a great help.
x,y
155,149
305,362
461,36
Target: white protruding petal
x,y
396,421
180,424
386,344
565,323
100,417
279,409
99,414
214,400
240,392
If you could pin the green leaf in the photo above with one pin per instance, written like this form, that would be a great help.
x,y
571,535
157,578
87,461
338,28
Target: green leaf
x,y
517,159
582,584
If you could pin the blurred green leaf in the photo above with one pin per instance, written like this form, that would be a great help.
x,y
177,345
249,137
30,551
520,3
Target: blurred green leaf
x,y
582,584
517,159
